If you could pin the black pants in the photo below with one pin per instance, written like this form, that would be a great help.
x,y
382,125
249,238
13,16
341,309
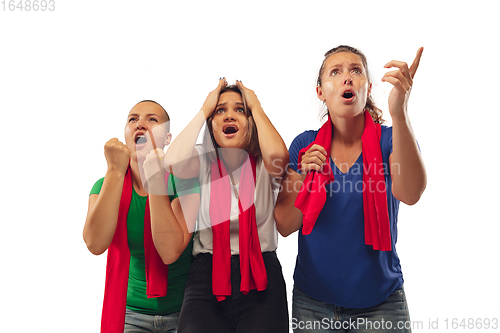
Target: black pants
x,y
258,311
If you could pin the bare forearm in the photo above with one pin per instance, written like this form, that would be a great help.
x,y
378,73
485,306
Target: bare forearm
x,y
167,233
102,216
288,218
180,153
408,173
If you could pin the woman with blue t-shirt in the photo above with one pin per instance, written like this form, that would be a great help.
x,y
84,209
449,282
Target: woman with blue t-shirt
x,y
342,190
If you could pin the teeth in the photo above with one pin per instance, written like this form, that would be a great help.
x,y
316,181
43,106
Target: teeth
x,y
141,139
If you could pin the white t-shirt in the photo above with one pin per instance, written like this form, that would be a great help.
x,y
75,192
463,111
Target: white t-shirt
x,y
266,192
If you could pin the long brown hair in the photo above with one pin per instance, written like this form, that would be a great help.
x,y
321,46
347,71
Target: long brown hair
x,y
375,112
251,146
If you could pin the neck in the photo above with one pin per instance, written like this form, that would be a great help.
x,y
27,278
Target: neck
x,y
348,131
233,159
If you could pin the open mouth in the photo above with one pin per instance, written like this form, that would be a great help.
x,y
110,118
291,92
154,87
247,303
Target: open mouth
x,y
348,94
230,129
140,139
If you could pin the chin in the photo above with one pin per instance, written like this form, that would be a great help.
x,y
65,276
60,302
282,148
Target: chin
x,y
347,114
232,146
141,153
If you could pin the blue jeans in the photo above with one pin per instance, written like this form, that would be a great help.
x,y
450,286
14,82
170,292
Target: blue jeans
x,y
311,315
143,323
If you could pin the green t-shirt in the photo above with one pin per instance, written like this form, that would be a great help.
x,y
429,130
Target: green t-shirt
x,y
137,299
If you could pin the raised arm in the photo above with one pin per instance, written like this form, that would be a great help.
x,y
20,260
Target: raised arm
x,y
172,223
274,152
102,214
181,156
409,177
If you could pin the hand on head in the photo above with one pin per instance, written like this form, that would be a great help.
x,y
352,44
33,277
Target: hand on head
x,y
248,95
212,98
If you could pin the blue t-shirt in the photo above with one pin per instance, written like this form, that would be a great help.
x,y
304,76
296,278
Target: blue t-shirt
x,y
334,265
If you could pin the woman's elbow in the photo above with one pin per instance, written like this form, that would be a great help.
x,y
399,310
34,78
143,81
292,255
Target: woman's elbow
x,y
277,157
409,192
410,201
171,254
284,232
94,249
170,260
285,229
170,257
410,198
280,158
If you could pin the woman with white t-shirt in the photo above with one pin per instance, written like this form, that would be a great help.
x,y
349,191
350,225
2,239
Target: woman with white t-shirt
x,y
235,282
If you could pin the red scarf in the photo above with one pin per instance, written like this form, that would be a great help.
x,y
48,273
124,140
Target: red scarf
x,y
312,195
117,268
253,271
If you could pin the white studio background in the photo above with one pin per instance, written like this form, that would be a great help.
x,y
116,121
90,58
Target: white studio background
x,y
69,77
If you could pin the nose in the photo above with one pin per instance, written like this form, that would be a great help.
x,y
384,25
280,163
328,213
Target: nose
x,y
141,124
348,80
229,115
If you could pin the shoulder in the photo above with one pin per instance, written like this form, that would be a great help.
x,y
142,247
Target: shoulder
x,y
386,130
264,179
304,139
386,139
96,189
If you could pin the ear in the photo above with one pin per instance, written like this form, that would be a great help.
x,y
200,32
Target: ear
x,y
369,90
320,94
168,138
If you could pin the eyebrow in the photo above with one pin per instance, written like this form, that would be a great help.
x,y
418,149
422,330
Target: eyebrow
x,y
351,64
147,115
222,104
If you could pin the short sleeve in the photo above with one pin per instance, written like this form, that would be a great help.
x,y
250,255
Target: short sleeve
x,y
386,141
96,189
178,187
301,141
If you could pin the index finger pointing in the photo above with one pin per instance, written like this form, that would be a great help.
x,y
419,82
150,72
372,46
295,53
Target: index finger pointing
x,y
416,62
152,138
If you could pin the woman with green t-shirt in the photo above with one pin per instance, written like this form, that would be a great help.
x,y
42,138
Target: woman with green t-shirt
x,y
148,237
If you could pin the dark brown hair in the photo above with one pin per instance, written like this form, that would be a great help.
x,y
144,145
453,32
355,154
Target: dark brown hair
x,y
251,140
375,112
